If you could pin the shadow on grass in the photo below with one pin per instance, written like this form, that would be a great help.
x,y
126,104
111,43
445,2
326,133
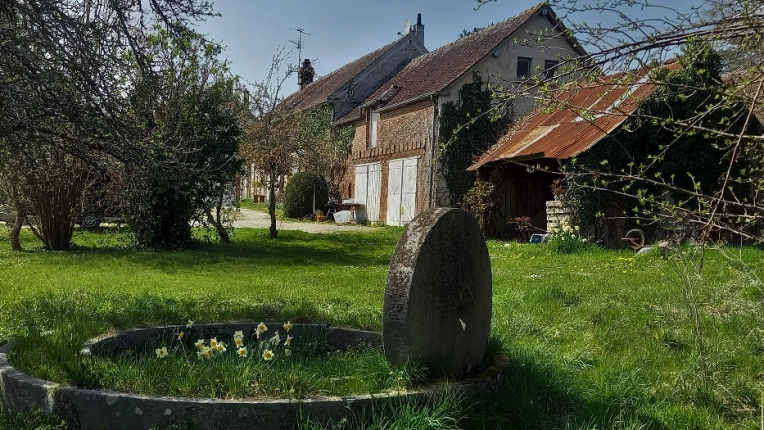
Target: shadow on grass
x,y
248,247
538,395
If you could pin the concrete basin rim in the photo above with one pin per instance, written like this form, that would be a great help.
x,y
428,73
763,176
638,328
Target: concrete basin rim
x,y
486,379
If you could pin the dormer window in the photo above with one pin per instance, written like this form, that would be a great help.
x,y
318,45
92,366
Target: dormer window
x,y
524,67
373,126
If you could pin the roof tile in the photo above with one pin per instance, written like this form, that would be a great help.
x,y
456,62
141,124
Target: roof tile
x,y
319,91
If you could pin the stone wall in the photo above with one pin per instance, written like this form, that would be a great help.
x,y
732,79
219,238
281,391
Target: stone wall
x,y
555,213
363,85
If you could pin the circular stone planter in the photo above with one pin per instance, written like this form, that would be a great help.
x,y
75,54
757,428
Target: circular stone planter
x,y
98,409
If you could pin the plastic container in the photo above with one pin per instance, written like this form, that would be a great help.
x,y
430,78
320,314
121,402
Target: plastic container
x,y
343,217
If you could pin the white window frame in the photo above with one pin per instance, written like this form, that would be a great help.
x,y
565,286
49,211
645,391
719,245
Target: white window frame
x,y
373,128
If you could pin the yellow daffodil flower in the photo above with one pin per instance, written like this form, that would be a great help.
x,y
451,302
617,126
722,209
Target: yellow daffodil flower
x,y
238,342
262,327
288,326
220,347
287,352
213,342
190,324
238,335
162,352
268,355
180,335
276,339
242,351
288,340
199,344
258,333
206,352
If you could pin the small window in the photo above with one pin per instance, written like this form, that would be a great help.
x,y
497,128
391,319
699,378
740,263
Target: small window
x,y
373,125
523,67
550,68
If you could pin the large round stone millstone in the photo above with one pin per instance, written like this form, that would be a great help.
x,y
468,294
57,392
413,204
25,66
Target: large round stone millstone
x,y
438,296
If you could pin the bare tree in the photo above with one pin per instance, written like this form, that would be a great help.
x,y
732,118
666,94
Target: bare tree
x,y
271,131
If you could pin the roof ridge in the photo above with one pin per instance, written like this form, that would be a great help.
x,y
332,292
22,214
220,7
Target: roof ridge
x,y
491,28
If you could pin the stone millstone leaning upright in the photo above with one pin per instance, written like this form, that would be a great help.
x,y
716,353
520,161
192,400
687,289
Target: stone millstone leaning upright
x,y
438,296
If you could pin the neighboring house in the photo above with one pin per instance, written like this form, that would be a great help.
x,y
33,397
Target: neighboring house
x,y
590,112
396,137
346,88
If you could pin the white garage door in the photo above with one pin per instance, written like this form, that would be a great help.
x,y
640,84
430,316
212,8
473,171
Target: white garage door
x,y
368,190
401,191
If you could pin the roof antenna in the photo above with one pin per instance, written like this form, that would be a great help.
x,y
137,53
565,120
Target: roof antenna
x,y
298,43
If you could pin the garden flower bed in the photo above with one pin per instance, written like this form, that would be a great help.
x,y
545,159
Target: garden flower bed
x,y
229,377
251,361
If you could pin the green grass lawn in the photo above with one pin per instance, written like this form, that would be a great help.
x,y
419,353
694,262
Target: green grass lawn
x,y
596,339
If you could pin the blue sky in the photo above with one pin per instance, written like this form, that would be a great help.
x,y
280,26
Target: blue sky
x,y
343,30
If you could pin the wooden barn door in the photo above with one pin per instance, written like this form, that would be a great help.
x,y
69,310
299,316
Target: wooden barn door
x,y
401,191
368,190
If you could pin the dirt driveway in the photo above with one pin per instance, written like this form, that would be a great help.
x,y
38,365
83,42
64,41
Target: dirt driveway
x,y
249,218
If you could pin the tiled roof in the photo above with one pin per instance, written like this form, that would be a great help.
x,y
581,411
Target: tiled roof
x,y
319,91
436,70
589,112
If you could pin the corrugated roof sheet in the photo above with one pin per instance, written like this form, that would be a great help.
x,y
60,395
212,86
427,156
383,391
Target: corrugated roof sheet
x,y
587,112
319,91
436,70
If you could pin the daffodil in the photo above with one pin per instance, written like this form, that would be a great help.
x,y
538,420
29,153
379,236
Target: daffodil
x,y
238,335
220,347
288,326
190,324
242,351
268,355
206,352
262,327
162,352
287,352
276,339
199,344
238,342
288,340
180,335
258,333
213,342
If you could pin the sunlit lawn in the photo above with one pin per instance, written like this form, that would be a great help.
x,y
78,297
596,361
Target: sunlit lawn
x,y
597,339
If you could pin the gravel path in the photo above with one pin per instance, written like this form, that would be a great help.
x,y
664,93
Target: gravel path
x,y
249,218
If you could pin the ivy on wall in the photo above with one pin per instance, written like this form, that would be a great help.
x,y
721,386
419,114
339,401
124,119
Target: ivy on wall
x,y
468,128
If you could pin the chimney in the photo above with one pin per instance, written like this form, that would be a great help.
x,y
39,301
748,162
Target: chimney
x,y
419,28
305,74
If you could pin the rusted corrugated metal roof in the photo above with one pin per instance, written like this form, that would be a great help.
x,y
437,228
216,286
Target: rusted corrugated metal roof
x,y
583,114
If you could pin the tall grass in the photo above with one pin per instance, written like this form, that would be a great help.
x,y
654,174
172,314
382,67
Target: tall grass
x,y
596,339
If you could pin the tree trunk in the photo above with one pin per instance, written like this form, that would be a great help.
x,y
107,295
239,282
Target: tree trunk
x,y
15,235
219,228
272,207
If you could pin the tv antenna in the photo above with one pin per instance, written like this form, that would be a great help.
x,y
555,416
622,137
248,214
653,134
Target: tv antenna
x,y
298,43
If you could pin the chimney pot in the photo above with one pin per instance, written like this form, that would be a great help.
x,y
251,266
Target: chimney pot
x,y
305,74
419,28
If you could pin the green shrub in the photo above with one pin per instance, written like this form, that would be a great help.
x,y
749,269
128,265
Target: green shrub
x,y
566,239
298,196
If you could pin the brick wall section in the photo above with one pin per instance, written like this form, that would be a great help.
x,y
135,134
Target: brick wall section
x,y
401,133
